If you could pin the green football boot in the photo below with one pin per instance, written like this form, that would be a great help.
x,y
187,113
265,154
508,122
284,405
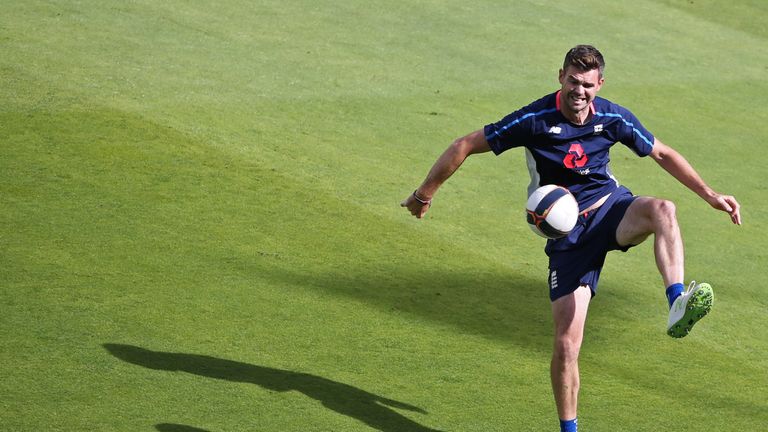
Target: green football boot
x,y
688,308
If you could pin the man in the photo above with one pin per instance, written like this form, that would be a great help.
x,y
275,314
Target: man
x,y
567,136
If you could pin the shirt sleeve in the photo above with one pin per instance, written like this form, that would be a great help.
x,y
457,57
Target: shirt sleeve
x,y
514,130
634,135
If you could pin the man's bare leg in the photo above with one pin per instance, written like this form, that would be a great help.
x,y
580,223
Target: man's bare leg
x,y
570,314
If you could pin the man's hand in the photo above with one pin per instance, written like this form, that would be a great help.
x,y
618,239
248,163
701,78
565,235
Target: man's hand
x,y
417,205
728,204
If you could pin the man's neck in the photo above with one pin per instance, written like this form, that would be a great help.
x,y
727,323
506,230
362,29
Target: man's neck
x,y
579,118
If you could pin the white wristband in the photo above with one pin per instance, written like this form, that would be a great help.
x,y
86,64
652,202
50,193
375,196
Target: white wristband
x,y
423,202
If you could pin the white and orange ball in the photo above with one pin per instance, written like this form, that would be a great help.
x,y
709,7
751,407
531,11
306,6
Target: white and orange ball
x,y
552,211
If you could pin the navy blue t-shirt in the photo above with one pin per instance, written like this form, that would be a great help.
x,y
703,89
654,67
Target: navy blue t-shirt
x,y
562,153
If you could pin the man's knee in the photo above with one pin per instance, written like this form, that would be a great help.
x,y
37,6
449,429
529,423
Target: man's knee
x,y
647,215
663,214
665,208
566,349
570,313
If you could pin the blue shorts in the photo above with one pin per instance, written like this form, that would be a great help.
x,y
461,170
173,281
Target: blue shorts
x,y
577,259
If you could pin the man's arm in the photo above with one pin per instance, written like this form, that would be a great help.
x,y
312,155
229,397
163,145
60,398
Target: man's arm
x,y
419,201
675,164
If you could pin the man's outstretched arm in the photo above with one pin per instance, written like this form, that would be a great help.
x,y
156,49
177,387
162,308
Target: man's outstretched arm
x,y
675,164
419,201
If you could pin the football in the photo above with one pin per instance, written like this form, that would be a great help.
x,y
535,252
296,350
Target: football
x,y
552,211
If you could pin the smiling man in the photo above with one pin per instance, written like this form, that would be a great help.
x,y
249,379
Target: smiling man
x,y
567,136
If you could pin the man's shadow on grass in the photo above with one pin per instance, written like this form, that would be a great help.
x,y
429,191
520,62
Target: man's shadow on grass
x,y
173,427
374,410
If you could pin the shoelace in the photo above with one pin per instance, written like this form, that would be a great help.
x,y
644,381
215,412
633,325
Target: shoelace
x,y
691,286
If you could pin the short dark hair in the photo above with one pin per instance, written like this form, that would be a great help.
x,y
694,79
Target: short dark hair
x,y
584,58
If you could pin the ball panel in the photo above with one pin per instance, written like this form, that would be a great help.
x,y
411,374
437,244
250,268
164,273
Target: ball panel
x,y
552,211
549,200
538,195
564,213
551,232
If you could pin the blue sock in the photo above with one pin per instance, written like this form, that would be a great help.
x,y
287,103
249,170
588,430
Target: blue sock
x,y
569,425
674,292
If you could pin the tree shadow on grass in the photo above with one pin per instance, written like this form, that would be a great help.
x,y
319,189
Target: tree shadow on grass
x,y
373,410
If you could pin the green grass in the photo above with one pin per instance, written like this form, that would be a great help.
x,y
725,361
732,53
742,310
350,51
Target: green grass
x,y
200,230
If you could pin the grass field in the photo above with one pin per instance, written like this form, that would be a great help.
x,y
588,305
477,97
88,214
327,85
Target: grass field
x,y
200,226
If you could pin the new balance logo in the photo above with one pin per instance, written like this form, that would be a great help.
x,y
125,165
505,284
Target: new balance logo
x,y
553,280
555,130
679,306
598,129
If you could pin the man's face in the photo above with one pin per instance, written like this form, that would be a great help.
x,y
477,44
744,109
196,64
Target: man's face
x,y
579,88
